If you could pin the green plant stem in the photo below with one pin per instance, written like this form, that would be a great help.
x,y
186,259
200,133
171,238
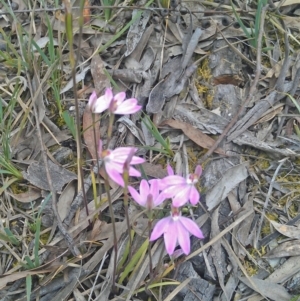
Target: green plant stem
x,y
126,179
69,34
113,221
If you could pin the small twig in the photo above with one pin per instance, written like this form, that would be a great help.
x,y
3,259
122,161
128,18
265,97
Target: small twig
x,y
286,108
54,9
267,200
73,63
60,225
285,67
80,196
251,91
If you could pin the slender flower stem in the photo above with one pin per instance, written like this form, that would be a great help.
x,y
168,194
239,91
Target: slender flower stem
x,y
110,127
112,216
149,248
97,157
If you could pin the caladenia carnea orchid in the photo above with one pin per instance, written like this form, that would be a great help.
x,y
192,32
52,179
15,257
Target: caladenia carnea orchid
x,y
118,163
181,189
115,104
114,161
176,229
149,196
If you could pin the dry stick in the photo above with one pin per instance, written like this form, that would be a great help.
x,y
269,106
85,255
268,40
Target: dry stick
x,y
267,200
53,9
251,91
73,63
291,92
60,225
80,196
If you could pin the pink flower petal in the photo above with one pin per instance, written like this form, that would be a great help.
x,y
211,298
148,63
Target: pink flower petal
x,y
181,196
92,100
144,190
171,191
159,228
128,107
194,196
119,98
183,237
191,226
100,146
173,180
161,197
154,189
133,172
101,104
136,196
170,170
109,93
170,237
121,153
137,160
114,175
198,170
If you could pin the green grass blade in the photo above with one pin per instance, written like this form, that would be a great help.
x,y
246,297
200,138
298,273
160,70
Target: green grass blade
x,y
43,205
135,258
11,237
28,287
30,264
156,134
294,102
69,120
248,35
37,242
297,130
41,53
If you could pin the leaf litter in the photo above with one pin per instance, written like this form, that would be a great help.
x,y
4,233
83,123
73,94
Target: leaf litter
x,y
192,69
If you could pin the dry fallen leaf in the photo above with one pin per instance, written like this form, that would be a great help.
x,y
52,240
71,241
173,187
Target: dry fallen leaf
x,y
270,289
194,134
220,190
28,196
286,249
91,131
100,78
36,175
289,231
65,200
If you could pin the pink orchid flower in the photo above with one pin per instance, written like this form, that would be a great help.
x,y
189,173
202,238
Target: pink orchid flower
x,y
92,101
116,104
114,161
181,189
149,196
176,228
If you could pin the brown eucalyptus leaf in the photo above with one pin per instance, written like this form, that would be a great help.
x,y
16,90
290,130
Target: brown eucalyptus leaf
x,y
138,51
221,189
270,289
36,174
196,135
65,200
289,231
136,30
91,131
28,196
101,80
286,249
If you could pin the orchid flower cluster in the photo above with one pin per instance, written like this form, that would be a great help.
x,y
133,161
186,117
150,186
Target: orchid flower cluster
x,y
181,190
